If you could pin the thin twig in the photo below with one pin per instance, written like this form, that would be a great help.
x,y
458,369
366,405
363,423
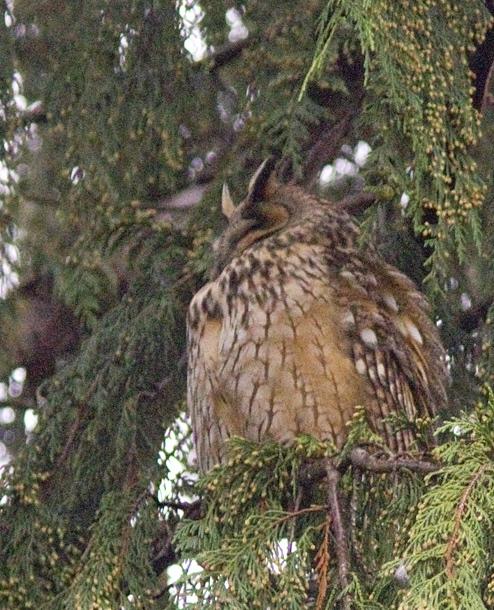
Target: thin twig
x,y
453,541
322,564
296,507
81,408
355,543
296,513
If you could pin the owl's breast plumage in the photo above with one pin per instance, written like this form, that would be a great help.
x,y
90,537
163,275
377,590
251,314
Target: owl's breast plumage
x,y
269,353
300,326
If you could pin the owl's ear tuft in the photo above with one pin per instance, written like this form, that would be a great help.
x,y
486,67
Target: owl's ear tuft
x,y
227,205
263,183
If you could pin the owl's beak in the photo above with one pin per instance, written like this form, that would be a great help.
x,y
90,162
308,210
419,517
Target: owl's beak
x,y
227,205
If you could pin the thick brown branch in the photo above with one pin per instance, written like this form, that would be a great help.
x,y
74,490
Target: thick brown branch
x,y
326,147
360,458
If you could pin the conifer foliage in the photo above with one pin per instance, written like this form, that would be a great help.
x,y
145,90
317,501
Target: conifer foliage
x,y
119,122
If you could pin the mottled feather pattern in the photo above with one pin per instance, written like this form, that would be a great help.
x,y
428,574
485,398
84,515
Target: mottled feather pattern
x,y
297,328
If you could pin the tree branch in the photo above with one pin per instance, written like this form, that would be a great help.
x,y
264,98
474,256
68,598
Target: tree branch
x,y
472,318
453,541
353,204
360,458
226,53
35,113
482,64
326,147
163,554
192,510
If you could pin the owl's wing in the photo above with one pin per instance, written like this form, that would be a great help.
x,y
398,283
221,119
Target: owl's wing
x,y
202,348
396,346
213,417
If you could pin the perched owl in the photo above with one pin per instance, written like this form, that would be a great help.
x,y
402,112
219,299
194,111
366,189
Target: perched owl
x,y
297,327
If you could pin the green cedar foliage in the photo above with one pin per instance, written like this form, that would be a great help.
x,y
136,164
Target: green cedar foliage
x,y
419,82
257,550
72,495
121,120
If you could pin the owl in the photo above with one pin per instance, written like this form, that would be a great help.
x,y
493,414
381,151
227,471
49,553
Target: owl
x,y
297,327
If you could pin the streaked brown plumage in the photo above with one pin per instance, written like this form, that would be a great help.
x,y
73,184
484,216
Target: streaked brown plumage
x,y
297,328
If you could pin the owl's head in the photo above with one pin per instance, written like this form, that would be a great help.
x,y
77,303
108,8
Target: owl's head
x,y
269,207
